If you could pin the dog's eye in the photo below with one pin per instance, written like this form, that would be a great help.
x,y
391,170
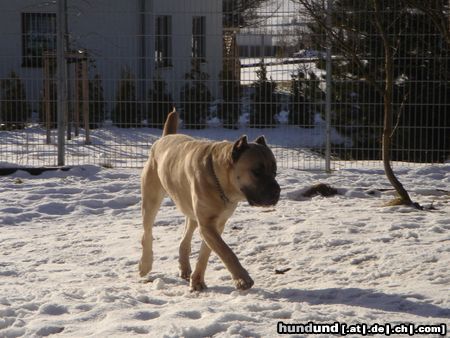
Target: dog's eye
x,y
257,172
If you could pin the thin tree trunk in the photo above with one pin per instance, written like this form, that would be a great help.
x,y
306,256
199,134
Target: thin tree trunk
x,y
387,131
387,98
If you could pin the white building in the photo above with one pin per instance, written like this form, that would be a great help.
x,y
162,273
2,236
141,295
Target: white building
x,y
150,38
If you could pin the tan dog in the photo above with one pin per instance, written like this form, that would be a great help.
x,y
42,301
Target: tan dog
x,y
206,180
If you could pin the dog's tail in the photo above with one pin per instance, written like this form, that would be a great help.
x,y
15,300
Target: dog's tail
x,y
171,124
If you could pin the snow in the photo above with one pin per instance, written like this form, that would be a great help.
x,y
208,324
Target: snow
x,y
70,244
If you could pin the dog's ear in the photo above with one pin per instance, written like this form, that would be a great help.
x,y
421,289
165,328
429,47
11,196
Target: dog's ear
x,y
261,140
239,147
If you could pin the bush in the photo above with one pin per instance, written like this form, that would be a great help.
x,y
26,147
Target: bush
x,y
126,111
14,109
195,97
159,105
300,113
231,93
264,101
96,102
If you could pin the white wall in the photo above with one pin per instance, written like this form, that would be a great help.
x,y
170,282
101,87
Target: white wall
x,y
109,30
182,34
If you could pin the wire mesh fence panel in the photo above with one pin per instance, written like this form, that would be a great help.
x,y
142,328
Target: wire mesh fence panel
x,y
390,69
229,67
392,62
25,35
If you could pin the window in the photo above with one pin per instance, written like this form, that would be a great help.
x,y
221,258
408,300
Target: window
x,y
38,36
199,37
163,41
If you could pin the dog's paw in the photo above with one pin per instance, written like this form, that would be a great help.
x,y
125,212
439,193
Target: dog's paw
x,y
185,274
198,286
144,268
197,283
243,283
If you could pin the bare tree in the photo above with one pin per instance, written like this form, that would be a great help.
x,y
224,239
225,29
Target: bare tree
x,y
237,14
344,39
387,97
240,13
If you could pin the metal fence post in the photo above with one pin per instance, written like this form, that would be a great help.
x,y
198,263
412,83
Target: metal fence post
x,y
328,92
61,77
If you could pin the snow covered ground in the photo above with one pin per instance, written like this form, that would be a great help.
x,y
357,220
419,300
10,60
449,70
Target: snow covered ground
x,y
70,244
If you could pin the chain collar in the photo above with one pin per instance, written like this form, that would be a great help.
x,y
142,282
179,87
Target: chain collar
x,y
223,196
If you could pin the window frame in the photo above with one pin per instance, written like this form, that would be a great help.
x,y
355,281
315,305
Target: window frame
x,y
199,38
163,41
32,23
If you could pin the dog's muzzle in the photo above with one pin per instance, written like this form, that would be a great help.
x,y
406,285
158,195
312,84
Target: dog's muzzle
x,y
265,197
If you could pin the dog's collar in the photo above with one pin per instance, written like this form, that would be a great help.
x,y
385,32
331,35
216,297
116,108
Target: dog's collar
x,y
223,196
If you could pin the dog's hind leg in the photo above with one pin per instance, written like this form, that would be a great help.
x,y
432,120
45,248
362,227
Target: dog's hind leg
x,y
185,249
152,195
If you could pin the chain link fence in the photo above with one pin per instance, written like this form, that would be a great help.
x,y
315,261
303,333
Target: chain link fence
x,y
312,76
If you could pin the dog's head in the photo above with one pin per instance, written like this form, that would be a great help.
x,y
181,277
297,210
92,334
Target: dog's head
x,y
254,171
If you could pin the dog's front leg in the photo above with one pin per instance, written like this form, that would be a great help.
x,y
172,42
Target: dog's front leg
x,y
152,195
198,276
215,242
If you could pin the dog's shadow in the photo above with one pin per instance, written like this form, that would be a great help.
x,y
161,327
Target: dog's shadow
x,y
365,298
